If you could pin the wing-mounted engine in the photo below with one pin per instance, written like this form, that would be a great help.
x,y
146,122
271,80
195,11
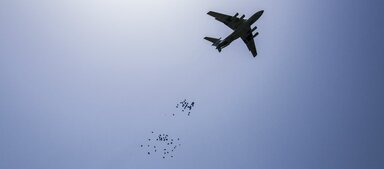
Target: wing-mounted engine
x,y
242,17
257,33
233,19
253,29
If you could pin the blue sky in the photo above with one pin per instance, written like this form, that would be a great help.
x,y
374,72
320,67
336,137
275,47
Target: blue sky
x,y
83,83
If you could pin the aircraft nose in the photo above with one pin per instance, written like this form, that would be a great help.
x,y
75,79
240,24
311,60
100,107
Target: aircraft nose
x,y
261,12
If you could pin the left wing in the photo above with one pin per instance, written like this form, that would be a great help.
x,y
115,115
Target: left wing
x,y
230,21
248,40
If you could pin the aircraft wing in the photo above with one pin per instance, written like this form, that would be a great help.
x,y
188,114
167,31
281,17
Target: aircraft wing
x,y
248,40
230,21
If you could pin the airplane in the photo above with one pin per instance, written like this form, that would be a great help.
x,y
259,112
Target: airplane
x,y
241,29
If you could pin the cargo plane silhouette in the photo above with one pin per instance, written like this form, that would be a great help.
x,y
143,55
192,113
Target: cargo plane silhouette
x,y
241,29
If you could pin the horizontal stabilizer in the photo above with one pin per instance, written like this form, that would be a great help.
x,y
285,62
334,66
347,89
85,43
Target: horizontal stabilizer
x,y
213,40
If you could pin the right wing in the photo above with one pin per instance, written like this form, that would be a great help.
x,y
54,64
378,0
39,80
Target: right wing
x,y
248,40
230,21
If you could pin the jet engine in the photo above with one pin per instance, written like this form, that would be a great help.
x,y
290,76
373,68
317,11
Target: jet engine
x,y
242,17
236,15
253,29
257,33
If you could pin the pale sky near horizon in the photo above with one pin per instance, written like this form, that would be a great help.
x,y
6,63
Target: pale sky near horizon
x,y
84,82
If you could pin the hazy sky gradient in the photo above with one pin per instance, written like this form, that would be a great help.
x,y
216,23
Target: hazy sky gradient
x,y
83,82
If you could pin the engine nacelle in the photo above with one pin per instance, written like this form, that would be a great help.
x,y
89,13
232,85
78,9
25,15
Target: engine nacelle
x,y
242,17
236,15
257,33
253,29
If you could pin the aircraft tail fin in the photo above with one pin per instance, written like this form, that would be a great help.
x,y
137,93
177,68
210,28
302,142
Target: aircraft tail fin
x,y
215,41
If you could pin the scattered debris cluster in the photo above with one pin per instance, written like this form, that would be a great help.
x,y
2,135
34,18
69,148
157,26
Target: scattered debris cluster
x,y
161,144
185,105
